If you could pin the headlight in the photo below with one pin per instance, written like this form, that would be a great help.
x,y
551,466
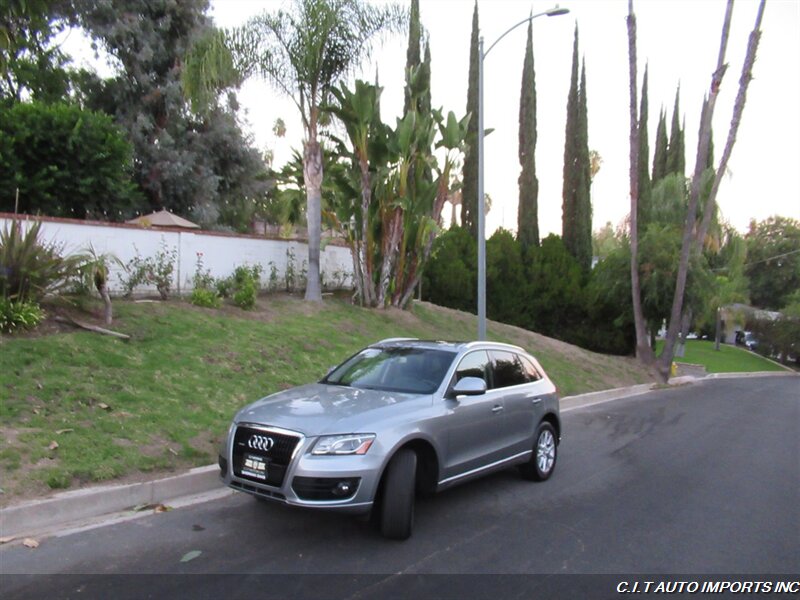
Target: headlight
x,y
353,443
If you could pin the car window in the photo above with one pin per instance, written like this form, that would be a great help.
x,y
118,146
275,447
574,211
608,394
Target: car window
x,y
474,364
507,369
531,372
397,369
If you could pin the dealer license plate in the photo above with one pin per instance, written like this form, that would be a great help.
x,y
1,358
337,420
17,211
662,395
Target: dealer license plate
x,y
254,466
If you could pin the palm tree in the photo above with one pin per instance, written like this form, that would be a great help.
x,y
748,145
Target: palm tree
x,y
304,51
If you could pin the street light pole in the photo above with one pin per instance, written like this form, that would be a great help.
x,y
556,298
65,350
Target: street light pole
x,y
553,12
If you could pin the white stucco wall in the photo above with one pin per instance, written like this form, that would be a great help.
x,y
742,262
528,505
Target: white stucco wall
x,y
222,253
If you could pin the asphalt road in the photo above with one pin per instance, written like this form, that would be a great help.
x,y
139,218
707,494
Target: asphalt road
x,y
702,479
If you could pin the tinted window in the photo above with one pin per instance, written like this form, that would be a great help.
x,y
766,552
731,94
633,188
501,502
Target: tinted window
x,y
474,364
410,370
531,373
507,370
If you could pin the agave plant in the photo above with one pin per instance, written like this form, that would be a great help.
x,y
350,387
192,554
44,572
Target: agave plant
x,y
30,268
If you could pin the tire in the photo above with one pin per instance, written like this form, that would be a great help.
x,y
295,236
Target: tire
x,y
545,453
397,505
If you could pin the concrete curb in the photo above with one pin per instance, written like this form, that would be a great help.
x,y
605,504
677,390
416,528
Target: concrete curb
x,y
88,503
69,508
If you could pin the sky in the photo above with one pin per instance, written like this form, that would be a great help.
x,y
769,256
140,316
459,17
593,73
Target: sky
x,y
678,39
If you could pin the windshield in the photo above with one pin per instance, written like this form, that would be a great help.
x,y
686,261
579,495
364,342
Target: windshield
x,y
407,370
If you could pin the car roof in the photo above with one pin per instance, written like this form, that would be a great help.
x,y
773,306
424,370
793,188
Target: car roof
x,y
452,346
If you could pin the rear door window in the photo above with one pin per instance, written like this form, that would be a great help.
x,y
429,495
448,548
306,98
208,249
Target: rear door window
x,y
507,369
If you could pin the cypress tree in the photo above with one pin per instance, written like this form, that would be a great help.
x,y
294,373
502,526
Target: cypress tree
x,y
570,186
643,206
527,210
576,205
583,245
676,156
425,101
413,52
469,194
660,153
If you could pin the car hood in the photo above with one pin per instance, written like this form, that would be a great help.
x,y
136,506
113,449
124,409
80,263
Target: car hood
x,y
319,408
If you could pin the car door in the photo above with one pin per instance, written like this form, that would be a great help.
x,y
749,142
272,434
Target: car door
x,y
473,423
518,390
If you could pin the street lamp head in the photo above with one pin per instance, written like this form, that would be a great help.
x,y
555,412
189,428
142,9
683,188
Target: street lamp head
x,y
557,11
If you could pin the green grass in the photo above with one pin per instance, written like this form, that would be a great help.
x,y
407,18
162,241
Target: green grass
x,y
164,399
729,359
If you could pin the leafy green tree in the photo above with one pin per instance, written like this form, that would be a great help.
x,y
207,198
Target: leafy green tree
x,y
304,51
31,64
773,261
604,241
528,208
469,196
554,292
451,275
66,162
200,166
609,327
505,279
576,221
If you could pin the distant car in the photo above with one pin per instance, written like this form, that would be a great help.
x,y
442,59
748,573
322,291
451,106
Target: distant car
x,y
398,418
747,339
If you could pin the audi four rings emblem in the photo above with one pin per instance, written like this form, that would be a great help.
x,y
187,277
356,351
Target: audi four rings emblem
x,y
260,442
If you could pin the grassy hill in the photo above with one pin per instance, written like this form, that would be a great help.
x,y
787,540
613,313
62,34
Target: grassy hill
x,y
78,407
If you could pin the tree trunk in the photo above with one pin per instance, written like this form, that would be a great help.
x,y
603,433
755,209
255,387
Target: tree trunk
x,y
687,245
312,177
643,350
736,119
367,285
108,312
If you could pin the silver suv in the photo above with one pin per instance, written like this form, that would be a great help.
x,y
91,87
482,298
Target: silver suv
x,y
398,418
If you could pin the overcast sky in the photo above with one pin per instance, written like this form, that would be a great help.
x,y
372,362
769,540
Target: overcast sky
x,y
678,38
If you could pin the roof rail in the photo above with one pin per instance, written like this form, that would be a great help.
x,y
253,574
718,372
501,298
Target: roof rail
x,y
398,339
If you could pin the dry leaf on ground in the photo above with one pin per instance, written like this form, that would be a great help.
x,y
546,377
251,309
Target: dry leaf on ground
x,y
30,543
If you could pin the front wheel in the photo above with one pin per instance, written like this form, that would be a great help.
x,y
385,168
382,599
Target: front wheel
x,y
545,452
397,508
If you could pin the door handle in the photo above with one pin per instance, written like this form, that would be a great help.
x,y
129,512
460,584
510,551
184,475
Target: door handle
x,y
497,409
536,400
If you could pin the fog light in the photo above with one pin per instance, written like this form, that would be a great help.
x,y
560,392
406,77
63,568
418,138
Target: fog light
x,y
343,488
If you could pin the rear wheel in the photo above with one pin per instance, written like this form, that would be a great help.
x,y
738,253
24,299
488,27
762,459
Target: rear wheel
x,y
397,507
545,452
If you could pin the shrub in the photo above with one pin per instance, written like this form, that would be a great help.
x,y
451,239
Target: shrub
x,y
245,296
154,270
16,315
205,297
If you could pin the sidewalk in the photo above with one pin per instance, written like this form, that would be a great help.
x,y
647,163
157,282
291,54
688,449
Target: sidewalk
x,y
78,507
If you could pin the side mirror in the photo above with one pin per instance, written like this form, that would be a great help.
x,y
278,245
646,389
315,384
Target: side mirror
x,y
469,386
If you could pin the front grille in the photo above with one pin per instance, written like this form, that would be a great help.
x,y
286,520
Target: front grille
x,y
324,488
275,460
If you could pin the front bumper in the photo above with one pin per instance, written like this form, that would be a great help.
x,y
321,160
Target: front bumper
x,y
340,483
